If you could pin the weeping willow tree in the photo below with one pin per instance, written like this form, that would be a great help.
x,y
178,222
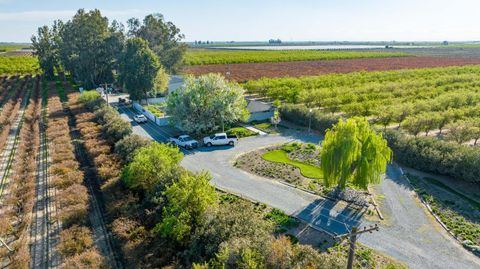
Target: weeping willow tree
x,y
353,153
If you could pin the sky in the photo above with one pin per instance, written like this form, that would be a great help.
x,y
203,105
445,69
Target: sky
x,y
260,20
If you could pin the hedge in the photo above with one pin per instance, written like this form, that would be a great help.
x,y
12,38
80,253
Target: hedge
x,y
436,156
301,115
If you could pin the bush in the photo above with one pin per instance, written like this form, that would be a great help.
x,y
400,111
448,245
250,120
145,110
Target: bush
x,y
300,114
436,156
75,240
129,145
85,260
91,99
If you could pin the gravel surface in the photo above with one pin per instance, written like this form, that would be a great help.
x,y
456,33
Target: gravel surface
x,y
410,234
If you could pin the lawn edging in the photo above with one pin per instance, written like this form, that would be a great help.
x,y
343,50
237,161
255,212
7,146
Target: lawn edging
x,y
437,218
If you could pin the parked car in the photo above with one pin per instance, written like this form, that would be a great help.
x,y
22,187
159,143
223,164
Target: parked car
x,y
140,118
184,141
220,139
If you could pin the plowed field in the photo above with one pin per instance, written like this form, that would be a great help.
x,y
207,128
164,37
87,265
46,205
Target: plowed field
x,y
242,72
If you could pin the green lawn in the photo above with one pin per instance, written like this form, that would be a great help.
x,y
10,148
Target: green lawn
x,y
240,132
281,156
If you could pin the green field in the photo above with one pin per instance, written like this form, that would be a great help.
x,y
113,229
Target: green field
x,y
216,56
436,95
280,156
18,65
9,47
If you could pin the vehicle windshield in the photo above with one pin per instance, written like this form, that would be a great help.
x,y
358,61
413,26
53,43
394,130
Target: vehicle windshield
x,y
187,138
212,136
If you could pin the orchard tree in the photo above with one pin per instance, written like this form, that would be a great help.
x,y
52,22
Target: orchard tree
x,y
460,132
187,200
207,103
401,112
353,153
163,38
385,117
140,70
445,118
153,167
413,125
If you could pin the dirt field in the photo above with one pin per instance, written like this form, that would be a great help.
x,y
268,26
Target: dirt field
x,y
243,72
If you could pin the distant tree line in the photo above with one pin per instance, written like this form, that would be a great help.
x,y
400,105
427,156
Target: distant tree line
x,y
94,51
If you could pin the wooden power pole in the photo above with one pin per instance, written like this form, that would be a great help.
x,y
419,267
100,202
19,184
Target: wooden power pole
x,y
353,240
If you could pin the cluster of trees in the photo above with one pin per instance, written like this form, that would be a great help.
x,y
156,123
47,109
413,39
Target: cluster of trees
x,y
95,51
165,215
206,103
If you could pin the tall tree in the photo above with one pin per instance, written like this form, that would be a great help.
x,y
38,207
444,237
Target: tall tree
x,y
353,152
46,49
139,67
207,103
89,47
163,37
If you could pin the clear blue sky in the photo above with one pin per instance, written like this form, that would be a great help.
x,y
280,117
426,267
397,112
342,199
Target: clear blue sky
x,y
249,20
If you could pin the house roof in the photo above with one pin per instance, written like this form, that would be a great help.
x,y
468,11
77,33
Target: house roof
x,y
258,106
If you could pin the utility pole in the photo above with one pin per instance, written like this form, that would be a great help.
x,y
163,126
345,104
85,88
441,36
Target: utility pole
x,y
353,240
106,91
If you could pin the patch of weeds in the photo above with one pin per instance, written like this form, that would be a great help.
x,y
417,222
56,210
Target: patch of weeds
x,y
282,220
240,132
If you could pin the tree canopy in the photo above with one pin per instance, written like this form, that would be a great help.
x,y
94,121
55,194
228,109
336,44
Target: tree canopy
x,y
187,200
139,67
207,103
163,38
46,48
154,166
353,153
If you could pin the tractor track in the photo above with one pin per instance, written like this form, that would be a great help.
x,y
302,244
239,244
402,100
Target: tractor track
x,y
45,229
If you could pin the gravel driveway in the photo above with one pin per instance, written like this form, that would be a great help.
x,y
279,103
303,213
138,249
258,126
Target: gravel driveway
x,y
411,235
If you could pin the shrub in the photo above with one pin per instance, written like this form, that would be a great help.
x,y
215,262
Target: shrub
x,y
85,260
128,146
75,240
91,99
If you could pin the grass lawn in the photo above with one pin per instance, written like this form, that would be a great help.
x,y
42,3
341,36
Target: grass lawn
x,y
240,132
281,156
267,127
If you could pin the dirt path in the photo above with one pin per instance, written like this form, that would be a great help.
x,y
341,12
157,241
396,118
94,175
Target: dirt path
x,y
46,227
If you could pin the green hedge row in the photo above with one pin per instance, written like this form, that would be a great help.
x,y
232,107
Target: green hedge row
x,y
301,115
436,156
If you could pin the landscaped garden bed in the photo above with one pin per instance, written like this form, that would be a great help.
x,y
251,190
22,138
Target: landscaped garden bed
x,y
459,213
297,164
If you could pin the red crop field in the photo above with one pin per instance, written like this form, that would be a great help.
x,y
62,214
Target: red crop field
x,y
249,71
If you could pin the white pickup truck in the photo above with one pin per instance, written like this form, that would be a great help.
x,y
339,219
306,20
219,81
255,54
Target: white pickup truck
x,y
184,141
220,139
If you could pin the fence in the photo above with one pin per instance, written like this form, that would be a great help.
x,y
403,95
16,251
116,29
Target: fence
x,y
163,121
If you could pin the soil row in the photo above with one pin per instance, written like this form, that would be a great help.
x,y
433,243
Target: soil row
x,y
67,178
244,72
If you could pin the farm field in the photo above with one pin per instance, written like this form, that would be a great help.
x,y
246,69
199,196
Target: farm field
x,y
222,56
19,65
251,71
426,92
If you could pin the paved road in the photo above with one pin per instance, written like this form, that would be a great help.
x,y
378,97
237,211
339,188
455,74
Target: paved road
x,y
411,235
